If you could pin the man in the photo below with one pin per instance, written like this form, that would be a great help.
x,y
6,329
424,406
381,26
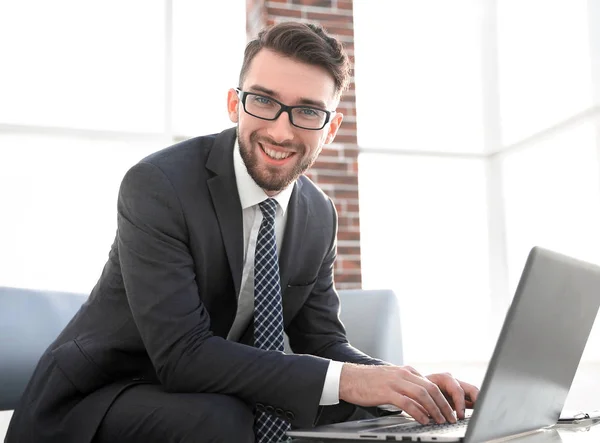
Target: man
x,y
221,245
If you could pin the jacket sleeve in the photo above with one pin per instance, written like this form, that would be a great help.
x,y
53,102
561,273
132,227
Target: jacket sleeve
x,y
160,282
317,328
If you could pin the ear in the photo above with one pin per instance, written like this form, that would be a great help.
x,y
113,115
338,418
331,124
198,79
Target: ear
x,y
334,125
233,102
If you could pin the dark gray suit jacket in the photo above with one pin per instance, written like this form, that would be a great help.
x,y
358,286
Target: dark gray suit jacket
x,y
167,298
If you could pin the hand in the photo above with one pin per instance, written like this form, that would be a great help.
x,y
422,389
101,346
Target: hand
x,y
459,394
404,387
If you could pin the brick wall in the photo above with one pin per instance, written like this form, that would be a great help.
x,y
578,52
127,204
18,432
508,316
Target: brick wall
x,y
336,171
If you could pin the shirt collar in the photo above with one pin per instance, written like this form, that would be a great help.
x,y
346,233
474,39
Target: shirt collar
x,y
250,193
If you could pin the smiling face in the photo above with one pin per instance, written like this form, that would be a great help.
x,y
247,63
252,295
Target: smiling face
x,y
275,152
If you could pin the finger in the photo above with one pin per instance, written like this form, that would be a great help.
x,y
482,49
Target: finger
x,y
412,370
471,392
468,403
412,408
421,408
429,396
454,390
436,394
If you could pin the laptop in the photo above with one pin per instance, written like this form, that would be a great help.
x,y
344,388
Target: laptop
x,y
531,370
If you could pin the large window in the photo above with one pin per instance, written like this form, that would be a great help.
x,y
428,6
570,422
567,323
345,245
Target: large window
x,y
88,89
478,135
479,129
424,234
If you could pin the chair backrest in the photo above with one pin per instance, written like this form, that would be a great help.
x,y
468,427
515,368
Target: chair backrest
x,y
29,321
372,322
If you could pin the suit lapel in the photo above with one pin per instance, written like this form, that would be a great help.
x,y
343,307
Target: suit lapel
x,y
225,198
294,236
226,201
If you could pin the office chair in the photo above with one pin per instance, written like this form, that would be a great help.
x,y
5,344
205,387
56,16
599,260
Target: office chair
x,y
29,321
372,322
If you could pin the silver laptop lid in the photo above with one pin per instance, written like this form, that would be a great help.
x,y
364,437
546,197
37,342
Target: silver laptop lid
x,y
539,348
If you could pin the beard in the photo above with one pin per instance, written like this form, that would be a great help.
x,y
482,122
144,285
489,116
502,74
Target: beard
x,y
268,177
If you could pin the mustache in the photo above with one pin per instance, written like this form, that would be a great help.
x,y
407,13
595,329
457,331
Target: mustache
x,y
270,141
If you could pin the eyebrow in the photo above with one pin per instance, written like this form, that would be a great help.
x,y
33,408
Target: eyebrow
x,y
302,101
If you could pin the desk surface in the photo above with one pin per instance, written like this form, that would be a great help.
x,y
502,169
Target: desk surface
x,y
560,434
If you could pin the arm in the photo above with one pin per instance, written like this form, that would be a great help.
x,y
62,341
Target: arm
x,y
363,380
159,277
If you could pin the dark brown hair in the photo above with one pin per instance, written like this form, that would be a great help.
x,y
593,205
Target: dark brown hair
x,y
308,43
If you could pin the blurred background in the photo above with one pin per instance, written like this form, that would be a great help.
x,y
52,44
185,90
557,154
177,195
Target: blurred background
x,y
472,133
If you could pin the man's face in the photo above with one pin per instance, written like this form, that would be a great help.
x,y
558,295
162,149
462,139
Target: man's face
x,y
275,152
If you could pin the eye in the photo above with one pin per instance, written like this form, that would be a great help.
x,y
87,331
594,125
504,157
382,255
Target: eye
x,y
308,112
261,100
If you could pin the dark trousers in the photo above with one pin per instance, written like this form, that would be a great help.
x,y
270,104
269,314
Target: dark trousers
x,y
148,414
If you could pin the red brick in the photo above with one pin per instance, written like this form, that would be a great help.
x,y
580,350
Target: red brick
x,y
352,207
338,179
348,250
348,278
345,235
338,32
341,33
344,4
348,222
283,12
346,108
331,27
319,3
345,193
350,152
340,22
345,138
351,264
335,166
348,111
330,152
348,125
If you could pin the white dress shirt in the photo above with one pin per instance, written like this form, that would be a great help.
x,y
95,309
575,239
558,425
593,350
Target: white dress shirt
x,y
250,196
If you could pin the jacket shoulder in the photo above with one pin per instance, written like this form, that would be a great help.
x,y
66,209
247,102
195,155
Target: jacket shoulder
x,y
319,201
186,152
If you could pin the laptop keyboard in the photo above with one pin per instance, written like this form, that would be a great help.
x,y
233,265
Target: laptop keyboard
x,y
418,429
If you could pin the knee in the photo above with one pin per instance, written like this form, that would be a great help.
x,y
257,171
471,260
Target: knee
x,y
238,425
231,421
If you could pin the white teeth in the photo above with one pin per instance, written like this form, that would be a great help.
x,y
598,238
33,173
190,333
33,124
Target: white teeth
x,y
276,154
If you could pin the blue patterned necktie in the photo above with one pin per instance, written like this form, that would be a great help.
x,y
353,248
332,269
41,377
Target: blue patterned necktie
x,y
268,314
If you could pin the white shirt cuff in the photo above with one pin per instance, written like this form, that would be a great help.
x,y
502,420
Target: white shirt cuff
x,y
331,389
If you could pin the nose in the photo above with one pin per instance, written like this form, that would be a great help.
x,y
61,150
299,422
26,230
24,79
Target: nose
x,y
281,130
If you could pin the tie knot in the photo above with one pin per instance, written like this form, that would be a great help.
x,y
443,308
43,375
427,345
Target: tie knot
x,y
268,209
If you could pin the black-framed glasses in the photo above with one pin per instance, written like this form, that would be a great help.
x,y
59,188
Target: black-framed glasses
x,y
267,108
